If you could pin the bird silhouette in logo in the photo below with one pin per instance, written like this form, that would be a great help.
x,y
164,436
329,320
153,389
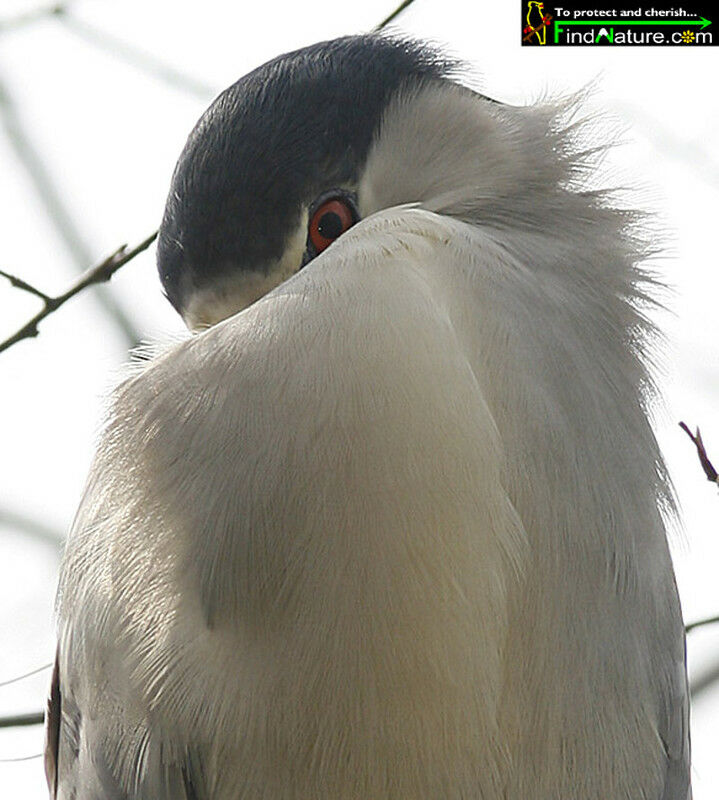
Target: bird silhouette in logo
x,y
536,28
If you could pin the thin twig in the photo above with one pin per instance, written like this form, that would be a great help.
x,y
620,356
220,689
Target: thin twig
x,y
699,623
50,196
21,720
139,59
707,465
26,675
19,283
705,681
55,207
31,526
400,8
30,17
21,758
100,273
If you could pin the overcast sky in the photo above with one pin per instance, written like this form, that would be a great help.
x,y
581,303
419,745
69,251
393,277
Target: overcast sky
x,y
105,133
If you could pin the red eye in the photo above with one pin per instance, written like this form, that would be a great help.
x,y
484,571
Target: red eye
x,y
329,222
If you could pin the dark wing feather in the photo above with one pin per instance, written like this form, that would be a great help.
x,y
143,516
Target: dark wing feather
x,y
78,763
52,730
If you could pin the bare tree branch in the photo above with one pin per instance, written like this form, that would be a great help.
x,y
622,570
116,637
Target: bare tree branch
x,y
21,758
100,273
707,465
699,685
30,17
20,720
400,8
700,623
31,526
51,198
139,59
55,207
26,674
19,283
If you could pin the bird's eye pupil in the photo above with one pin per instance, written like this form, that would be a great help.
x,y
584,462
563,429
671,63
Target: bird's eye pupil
x,y
328,222
330,225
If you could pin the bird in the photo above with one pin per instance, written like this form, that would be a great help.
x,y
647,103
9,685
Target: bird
x,y
391,521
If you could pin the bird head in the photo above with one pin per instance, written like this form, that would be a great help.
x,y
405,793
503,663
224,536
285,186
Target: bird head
x,y
292,155
345,138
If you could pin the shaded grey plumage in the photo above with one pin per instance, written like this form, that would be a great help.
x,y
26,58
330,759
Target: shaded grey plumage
x,y
395,530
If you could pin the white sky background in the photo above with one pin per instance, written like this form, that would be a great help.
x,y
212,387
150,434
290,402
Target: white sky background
x,y
110,134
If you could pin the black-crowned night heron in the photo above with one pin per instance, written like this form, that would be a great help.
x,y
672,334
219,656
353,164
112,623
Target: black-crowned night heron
x,y
395,529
